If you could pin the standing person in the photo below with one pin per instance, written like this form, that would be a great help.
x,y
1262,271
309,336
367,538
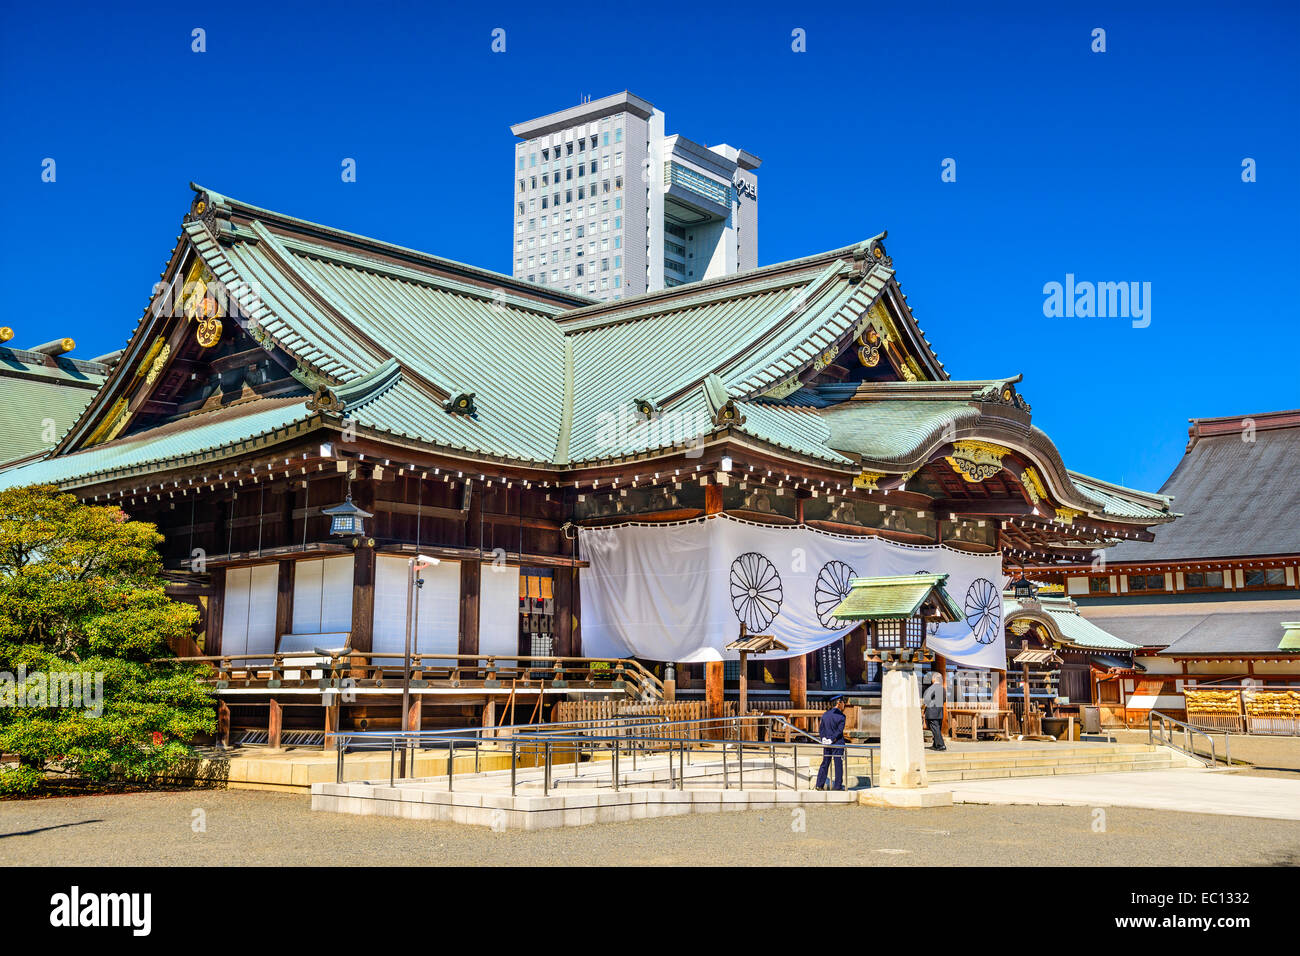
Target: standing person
x,y
934,699
831,732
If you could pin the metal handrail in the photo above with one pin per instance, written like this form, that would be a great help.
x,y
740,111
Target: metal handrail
x,y
1167,737
578,734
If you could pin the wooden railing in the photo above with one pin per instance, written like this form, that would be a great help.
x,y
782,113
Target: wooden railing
x,y
385,670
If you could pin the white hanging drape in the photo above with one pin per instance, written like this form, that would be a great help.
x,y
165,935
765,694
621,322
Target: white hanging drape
x,y
680,592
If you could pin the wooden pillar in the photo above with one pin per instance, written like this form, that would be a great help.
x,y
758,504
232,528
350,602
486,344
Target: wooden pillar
x,y
216,613
743,709
223,724
331,722
799,681
1002,689
274,725
670,681
490,719
713,695
471,572
712,499
415,713
564,581
284,602
363,599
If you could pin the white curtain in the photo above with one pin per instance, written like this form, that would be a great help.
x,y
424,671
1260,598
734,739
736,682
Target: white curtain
x,y
680,592
439,607
498,610
248,612
322,595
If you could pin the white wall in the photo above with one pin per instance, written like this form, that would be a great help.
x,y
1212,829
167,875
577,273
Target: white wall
x,y
438,610
248,613
322,595
498,610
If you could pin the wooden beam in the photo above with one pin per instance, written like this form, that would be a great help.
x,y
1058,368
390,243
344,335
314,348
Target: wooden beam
x,y
471,573
713,696
284,601
223,724
799,681
363,599
216,613
274,725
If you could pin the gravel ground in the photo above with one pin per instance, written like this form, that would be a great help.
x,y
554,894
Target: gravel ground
x,y
253,828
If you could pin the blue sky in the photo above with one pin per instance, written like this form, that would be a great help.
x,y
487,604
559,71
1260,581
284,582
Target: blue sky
x,y
1117,166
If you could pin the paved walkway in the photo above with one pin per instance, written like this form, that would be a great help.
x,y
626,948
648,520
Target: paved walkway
x,y
1189,791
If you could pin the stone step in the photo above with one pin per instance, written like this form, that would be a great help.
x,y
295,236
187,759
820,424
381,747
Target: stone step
x,y
1150,763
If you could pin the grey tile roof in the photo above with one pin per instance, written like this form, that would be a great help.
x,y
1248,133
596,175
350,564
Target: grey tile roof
x,y
1238,498
1202,627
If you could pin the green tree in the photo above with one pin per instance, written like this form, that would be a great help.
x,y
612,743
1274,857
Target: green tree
x,y
82,604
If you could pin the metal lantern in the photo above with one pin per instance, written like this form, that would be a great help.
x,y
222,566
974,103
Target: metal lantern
x,y
347,520
1024,589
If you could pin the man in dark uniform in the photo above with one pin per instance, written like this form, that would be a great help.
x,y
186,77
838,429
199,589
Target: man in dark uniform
x,y
934,698
831,732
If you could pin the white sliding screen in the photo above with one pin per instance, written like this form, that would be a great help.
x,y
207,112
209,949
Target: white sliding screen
x,y
498,610
322,595
248,614
439,607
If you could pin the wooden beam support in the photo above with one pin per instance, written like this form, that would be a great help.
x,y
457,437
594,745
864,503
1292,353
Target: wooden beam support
x,y
799,681
284,602
274,725
363,599
713,697
471,573
216,613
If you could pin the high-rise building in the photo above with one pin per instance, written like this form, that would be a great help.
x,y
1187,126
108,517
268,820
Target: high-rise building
x,y
606,205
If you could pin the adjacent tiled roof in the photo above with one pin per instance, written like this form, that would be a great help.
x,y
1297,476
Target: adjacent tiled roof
x,y
1071,627
896,596
1238,489
1185,627
40,397
175,441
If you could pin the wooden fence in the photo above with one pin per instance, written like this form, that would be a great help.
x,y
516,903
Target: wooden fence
x,y
1270,713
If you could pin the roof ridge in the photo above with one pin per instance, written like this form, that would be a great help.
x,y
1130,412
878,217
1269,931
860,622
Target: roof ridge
x,y
261,212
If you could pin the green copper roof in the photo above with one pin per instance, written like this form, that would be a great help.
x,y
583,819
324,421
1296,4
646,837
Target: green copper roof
x,y
1071,627
871,599
40,398
1290,636
176,441
556,377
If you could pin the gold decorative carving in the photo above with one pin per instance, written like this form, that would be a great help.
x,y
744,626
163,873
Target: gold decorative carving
x,y
1033,484
782,389
867,480
1067,515
159,362
976,460
324,401
1020,628
208,332
729,414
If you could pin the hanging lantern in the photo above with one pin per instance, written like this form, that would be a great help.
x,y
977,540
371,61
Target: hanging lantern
x,y
347,520
1024,589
